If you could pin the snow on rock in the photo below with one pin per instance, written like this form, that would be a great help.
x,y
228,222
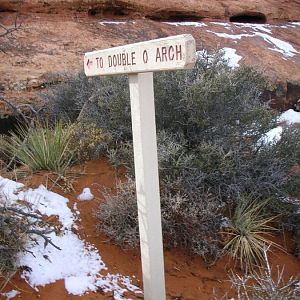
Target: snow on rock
x,y
278,45
231,36
86,195
256,27
194,24
290,117
285,48
231,56
111,23
78,263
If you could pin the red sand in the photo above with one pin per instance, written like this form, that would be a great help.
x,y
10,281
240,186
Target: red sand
x,y
186,277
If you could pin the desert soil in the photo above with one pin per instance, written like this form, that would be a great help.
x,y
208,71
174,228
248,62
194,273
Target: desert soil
x,y
187,277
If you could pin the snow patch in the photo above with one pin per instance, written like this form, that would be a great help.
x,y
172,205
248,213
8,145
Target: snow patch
x,y
290,117
286,49
226,25
256,27
11,294
194,24
49,203
9,190
280,46
86,195
272,136
294,23
231,36
111,23
231,56
78,263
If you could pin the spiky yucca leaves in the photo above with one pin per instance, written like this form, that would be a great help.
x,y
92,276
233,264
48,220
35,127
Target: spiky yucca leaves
x,y
248,231
42,148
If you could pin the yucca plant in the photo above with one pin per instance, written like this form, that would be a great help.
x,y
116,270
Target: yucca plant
x,y
248,231
42,147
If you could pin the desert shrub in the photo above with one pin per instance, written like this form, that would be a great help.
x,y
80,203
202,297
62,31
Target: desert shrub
x,y
117,215
105,102
192,222
189,223
42,147
18,227
264,284
210,123
13,239
87,141
247,232
66,99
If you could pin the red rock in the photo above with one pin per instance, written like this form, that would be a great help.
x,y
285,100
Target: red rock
x,y
269,10
54,43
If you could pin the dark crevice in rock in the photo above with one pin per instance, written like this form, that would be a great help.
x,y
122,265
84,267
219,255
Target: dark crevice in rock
x,y
283,96
8,124
174,16
251,17
6,10
103,11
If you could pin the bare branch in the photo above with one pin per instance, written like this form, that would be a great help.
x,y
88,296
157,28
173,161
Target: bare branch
x,y
10,30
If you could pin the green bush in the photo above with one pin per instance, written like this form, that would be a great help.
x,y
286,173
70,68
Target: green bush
x,y
42,147
191,223
87,141
117,215
211,125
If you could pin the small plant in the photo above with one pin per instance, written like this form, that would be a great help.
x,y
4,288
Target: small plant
x,y
247,233
17,227
189,223
117,215
262,284
87,141
42,148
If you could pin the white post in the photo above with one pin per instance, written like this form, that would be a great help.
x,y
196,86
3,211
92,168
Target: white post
x,y
147,184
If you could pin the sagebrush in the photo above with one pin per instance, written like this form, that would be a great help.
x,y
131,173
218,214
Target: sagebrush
x,y
211,126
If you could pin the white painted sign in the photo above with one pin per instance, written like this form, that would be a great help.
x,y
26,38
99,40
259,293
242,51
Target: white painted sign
x,y
141,59
175,52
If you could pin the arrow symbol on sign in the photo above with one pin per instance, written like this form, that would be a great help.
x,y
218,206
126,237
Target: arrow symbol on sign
x,y
89,63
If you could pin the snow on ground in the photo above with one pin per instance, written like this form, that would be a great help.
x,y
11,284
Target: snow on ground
x,y
78,262
86,195
11,294
290,117
272,136
231,56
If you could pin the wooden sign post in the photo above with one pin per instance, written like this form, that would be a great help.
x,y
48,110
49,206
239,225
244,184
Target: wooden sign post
x,y
140,60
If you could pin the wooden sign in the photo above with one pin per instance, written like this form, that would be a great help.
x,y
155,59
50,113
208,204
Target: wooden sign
x,y
141,59
175,52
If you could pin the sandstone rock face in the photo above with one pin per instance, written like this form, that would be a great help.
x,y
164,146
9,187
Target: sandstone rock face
x,y
251,10
49,44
